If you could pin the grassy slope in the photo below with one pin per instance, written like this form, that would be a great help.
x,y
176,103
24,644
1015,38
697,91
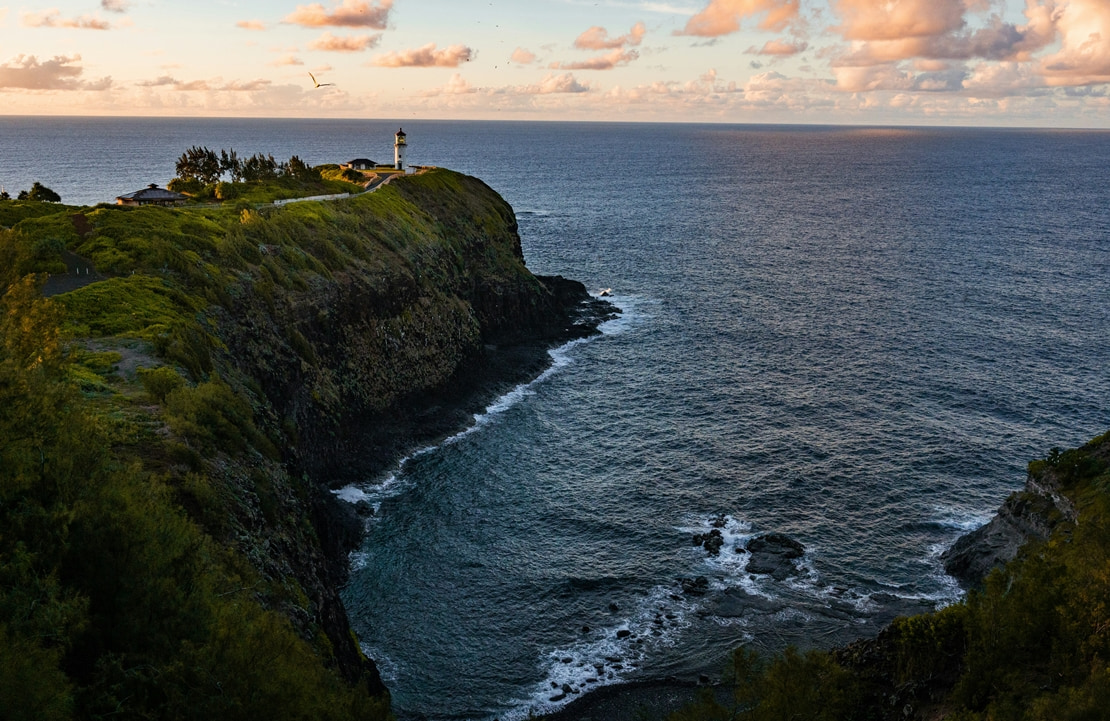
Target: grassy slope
x,y
157,557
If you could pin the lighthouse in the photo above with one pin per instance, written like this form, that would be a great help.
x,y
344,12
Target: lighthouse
x,y
399,150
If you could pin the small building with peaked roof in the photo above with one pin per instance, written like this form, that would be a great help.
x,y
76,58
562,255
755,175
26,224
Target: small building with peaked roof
x,y
152,195
359,164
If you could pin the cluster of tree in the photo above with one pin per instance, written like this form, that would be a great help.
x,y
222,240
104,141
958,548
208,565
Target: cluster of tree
x,y
1033,643
38,192
204,166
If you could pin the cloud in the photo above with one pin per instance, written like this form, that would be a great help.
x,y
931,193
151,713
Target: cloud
x,y
235,86
550,85
251,25
597,38
565,83
457,85
722,17
937,29
862,79
426,57
870,20
286,60
114,6
59,73
602,62
350,44
1084,55
523,57
349,14
53,19
780,48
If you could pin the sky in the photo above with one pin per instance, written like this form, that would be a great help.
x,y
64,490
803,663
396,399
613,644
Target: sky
x,y
1028,63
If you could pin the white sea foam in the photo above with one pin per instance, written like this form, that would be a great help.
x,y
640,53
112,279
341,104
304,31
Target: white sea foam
x,y
358,560
634,312
389,670
395,483
728,569
961,519
605,656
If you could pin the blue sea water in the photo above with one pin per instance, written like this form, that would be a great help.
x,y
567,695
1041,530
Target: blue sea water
x,y
854,336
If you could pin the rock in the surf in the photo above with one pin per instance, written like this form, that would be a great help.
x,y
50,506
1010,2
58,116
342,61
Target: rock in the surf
x,y
694,586
774,554
711,541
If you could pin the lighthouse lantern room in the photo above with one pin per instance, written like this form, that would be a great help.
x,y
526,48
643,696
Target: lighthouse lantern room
x,y
399,150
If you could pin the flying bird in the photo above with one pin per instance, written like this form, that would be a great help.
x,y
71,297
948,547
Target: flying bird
x,y
318,83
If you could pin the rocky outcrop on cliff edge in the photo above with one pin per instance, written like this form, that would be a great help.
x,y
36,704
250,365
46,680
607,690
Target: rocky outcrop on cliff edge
x,y
1027,515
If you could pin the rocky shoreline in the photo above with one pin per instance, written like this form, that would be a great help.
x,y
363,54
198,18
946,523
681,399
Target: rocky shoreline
x,y
1029,514
427,418
378,440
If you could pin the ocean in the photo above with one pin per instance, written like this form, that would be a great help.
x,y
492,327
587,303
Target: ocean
x,y
857,337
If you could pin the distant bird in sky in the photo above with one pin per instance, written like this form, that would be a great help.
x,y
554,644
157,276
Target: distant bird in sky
x,y
318,83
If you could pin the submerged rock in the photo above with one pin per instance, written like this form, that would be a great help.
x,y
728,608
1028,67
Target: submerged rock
x,y
737,603
694,586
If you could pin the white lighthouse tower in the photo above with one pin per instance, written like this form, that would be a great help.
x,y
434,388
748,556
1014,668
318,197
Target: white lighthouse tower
x,y
399,150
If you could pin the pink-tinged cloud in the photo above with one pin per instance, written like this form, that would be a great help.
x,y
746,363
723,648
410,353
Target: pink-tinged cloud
x,y
235,86
899,19
937,29
1084,55
349,14
780,48
251,25
59,73
114,6
458,85
597,38
722,17
602,62
286,61
1001,80
426,57
53,19
523,57
862,79
350,44
565,83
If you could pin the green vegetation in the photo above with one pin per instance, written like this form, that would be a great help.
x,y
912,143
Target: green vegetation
x,y
255,179
113,600
39,193
160,548
1033,643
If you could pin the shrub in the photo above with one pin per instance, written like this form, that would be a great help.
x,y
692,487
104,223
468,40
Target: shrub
x,y
160,382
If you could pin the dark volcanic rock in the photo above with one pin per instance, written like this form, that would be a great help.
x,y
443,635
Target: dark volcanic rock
x,y
694,586
1022,517
737,603
774,554
711,541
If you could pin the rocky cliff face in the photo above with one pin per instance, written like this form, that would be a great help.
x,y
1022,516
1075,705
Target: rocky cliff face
x,y
1030,514
429,312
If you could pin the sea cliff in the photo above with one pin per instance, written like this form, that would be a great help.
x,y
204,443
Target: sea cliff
x,y
222,367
